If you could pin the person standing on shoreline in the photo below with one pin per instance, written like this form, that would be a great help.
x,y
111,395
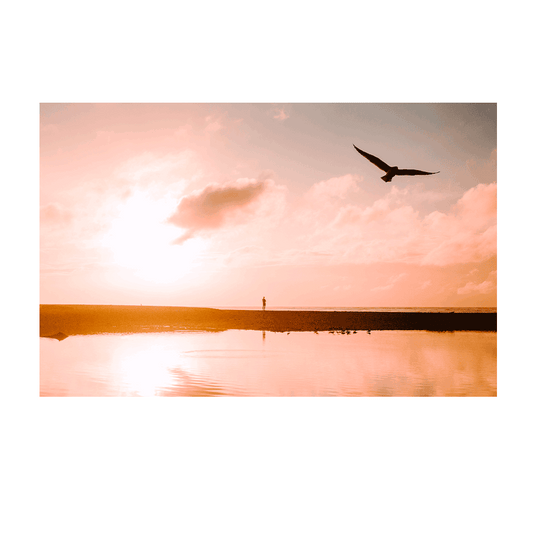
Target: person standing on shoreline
x,y
264,303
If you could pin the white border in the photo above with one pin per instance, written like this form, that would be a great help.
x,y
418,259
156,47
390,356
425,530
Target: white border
x,y
31,404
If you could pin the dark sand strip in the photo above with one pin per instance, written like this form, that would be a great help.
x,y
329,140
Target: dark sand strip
x,y
94,319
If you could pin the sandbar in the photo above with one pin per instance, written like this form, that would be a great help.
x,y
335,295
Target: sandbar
x,y
66,320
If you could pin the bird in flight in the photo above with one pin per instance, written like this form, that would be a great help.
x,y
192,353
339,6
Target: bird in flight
x,y
392,171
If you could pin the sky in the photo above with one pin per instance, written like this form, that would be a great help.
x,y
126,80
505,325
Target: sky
x,y
222,204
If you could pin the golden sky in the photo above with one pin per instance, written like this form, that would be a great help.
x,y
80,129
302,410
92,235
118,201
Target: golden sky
x,y
222,204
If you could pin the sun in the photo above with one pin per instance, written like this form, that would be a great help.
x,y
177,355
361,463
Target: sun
x,y
139,238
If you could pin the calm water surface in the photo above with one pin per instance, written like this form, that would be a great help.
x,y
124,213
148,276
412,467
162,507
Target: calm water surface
x,y
255,363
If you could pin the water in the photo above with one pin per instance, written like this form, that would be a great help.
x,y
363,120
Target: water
x,y
255,363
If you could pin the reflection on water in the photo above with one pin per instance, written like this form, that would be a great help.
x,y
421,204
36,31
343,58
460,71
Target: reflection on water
x,y
255,363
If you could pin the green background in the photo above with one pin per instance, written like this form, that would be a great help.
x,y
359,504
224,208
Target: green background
x,y
262,474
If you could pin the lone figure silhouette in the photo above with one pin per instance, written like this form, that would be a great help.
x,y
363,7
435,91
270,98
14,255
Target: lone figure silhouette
x,y
392,171
264,303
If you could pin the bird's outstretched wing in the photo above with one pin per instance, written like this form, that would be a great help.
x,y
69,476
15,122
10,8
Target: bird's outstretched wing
x,y
413,172
373,159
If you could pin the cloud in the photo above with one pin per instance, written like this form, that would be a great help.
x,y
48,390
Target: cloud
x,y
281,114
484,287
478,204
390,283
391,230
163,172
217,205
342,288
314,211
53,213
334,187
468,233
213,124
245,256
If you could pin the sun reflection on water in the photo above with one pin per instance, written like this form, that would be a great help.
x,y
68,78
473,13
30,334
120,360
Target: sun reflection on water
x,y
142,364
248,363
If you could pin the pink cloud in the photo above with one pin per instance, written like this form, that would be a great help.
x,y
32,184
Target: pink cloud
x,y
281,114
463,247
217,205
149,170
484,287
53,213
478,204
334,187
390,230
468,233
390,283
213,124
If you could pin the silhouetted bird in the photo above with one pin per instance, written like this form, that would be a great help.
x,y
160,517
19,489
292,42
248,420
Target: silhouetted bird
x,y
392,171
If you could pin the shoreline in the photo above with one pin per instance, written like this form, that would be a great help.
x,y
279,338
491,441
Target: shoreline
x,y
63,320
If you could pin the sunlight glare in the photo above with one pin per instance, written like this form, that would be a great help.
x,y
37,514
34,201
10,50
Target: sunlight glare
x,y
140,239
148,371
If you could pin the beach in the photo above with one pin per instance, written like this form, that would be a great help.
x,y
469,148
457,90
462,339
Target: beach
x,y
59,321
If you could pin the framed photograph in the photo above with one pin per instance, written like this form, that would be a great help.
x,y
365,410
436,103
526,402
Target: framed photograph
x,y
273,250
